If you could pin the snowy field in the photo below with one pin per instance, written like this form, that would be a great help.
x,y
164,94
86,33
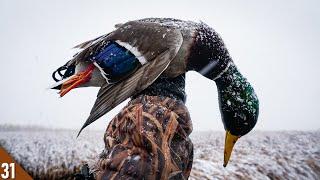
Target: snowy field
x,y
259,155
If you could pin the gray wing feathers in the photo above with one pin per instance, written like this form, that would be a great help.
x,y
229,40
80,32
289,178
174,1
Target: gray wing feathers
x,y
158,52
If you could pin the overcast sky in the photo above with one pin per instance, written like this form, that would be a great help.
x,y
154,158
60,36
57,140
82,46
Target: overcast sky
x,y
275,44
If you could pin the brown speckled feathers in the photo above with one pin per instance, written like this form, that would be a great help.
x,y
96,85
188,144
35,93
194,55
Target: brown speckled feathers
x,y
148,139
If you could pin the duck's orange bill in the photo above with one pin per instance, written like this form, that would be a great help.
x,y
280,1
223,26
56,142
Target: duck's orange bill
x,y
76,80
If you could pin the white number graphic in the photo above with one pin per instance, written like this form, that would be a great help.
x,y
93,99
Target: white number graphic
x,y
12,170
6,168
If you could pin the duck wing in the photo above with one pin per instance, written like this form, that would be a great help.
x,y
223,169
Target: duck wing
x,y
156,45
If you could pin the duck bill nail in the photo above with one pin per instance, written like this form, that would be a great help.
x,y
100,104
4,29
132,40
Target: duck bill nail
x,y
230,141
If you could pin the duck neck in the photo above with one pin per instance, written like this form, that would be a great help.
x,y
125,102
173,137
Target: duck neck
x,y
230,77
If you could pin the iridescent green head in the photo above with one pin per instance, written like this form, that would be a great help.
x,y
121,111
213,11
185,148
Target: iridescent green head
x,y
239,105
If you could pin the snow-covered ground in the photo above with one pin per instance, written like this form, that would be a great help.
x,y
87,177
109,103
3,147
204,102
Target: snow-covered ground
x,y
259,155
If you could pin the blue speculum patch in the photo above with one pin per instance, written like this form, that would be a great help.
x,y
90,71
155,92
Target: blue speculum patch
x,y
116,60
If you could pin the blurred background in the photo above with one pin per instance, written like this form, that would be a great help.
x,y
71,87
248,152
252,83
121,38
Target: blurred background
x,y
275,44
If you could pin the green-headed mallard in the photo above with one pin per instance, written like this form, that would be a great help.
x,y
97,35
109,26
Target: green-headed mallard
x,y
146,59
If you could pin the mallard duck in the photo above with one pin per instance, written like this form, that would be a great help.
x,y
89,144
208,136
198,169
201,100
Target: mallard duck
x,y
128,60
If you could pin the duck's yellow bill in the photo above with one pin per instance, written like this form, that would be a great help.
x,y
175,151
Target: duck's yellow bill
x,y
230,141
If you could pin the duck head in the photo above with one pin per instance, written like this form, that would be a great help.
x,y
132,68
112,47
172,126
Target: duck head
x,y
77,74
239,107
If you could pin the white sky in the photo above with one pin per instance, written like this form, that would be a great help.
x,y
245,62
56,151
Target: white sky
x,y
275,45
